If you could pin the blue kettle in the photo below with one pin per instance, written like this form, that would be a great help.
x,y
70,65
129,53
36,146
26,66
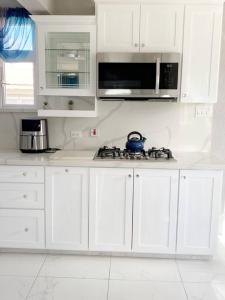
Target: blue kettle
x,y
134,143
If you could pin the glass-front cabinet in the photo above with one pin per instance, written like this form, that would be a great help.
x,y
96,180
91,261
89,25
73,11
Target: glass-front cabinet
x,y
66,55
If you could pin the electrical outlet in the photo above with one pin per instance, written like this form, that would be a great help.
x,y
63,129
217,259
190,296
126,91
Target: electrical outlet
x,y
204,111
94,132
75,134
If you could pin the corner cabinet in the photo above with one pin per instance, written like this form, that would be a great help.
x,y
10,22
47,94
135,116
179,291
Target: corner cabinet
x,y
67,208
66,54
199,208
201,53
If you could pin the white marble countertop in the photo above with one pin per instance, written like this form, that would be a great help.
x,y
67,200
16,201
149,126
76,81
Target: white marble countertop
x,y
185,160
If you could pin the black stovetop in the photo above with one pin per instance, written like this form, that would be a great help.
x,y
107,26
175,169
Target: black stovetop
x,y
152,154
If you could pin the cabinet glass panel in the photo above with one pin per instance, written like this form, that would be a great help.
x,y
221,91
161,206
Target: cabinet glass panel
x,y
67,57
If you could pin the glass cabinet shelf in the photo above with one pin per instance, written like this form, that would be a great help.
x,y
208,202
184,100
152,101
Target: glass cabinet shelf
x,y
67,60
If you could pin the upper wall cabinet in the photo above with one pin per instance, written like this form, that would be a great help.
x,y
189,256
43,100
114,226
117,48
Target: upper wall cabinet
x,y
66,49
135,27
201,53
161,28
118,27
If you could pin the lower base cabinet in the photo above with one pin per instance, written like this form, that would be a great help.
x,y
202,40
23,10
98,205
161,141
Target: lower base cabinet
x,y
66,198
111,209
198,212
22,229
155,211
111,197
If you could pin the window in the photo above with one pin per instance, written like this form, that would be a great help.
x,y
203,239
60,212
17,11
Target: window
x,y
17,59
18,84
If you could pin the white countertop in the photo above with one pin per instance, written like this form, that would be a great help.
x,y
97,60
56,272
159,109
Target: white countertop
x,y
185,160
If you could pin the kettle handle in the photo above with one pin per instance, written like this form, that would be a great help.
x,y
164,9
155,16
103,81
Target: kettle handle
x,y
134,132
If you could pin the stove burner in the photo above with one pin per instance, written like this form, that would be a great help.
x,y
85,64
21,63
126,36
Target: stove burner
x,y
160,153
116,153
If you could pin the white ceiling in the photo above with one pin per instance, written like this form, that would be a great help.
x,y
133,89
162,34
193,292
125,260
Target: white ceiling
x,y
73,7
9,3
61,7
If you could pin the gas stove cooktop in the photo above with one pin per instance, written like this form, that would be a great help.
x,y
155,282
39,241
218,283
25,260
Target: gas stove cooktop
x,y
152,154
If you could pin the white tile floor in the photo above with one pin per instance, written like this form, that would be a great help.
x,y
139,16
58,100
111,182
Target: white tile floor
x,y
70,277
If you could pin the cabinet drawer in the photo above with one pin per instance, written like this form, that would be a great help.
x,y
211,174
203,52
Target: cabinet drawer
x,y
21,174
21,228
20,195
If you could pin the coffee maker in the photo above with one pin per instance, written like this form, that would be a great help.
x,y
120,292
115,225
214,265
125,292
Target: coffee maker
x,y
34,135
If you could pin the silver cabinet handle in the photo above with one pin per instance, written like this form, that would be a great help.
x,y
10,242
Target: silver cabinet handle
x,y
24,174
142,45
184,95
25,196
26,229
136,45
66,170
41,87
158,62
183,177
129,175
137,175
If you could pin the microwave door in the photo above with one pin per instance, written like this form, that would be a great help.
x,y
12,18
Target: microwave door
x,y
126,79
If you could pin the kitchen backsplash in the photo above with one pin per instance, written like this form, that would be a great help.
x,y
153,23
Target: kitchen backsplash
x,y
170,125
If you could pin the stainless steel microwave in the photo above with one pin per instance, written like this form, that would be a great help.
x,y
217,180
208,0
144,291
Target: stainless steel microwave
x,y
138,76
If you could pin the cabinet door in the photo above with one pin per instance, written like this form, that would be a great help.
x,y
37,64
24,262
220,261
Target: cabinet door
x,y
22,229
67,59
118,27
201,53
155,211
199,204
161,28
67,208
111,192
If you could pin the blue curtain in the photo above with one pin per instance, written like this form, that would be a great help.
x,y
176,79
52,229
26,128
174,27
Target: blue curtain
x,y
16,35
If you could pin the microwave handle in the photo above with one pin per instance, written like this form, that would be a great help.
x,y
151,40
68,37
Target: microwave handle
x,y
158,62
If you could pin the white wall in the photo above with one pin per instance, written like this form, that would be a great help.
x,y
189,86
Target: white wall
x,y
164,124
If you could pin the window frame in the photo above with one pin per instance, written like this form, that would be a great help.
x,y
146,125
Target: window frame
x,y
18,107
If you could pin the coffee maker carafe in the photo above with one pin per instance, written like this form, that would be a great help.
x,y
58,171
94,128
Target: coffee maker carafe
x,y
34,135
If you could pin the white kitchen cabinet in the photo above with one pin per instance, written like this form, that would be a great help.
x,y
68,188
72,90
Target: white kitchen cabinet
x,y
111,196
67,208
155,211
22,229
140,27
66,49
22,195
118,27
198,213
161,28
21,174
201,53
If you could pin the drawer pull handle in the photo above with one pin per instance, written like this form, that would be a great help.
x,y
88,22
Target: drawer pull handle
x,y
184,177
26,229
137,175
66,170
24,174
25,196
129,175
